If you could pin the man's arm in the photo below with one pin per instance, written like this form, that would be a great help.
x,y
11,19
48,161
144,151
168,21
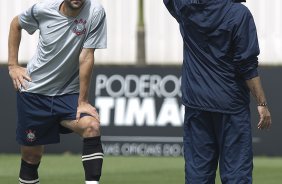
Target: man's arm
x,y
256,89
86,64
17,73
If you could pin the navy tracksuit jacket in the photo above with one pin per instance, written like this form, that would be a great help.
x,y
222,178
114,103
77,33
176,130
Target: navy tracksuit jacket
x,y
220,53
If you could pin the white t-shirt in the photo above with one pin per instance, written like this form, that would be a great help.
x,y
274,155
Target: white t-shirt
x,y
54,69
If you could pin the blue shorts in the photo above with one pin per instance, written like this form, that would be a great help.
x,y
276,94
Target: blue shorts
x,y
39,117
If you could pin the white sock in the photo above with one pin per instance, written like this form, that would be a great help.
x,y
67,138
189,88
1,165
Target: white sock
x,y
91,182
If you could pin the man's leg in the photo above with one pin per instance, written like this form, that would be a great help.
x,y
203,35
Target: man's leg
x,y
31,156
236,157
36,126
92,152
200,148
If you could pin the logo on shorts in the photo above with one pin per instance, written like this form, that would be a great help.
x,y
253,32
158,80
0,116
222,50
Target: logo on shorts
x,y
79,28
30,135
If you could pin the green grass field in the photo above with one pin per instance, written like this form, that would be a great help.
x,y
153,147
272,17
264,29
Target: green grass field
x,y
67,169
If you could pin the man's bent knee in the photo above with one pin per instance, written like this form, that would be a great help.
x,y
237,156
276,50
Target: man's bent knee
x,y
90,127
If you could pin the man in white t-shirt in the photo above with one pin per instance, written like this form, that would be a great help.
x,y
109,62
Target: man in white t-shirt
x,y
53,89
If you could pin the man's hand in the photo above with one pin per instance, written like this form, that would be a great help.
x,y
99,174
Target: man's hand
x,y
255,87
265,118
18,75
85,107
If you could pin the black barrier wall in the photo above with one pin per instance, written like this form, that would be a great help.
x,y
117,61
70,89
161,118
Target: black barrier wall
x,y
141,112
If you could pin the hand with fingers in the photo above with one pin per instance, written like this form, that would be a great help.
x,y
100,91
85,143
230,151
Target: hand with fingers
x,y
265,118
19,76
87,108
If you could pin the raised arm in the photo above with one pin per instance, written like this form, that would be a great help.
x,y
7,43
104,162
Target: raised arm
x,y
17,73
86,64
256,89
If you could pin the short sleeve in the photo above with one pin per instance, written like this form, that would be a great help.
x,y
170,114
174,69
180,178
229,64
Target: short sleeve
x,y
246,47
97,36
28,20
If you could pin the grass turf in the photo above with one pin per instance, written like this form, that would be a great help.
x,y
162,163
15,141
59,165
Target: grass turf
x,y
67,169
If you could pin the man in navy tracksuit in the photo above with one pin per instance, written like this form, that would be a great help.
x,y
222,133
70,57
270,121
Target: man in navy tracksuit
x,y
219,71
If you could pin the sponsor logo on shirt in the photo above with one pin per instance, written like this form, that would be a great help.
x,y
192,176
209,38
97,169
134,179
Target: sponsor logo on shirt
x,y
79,27
50,26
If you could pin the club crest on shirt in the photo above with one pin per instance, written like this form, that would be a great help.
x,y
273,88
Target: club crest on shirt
x,y
79,27
30,136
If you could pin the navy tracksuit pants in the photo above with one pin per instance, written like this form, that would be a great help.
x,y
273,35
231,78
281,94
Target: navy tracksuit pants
x,y
212,139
